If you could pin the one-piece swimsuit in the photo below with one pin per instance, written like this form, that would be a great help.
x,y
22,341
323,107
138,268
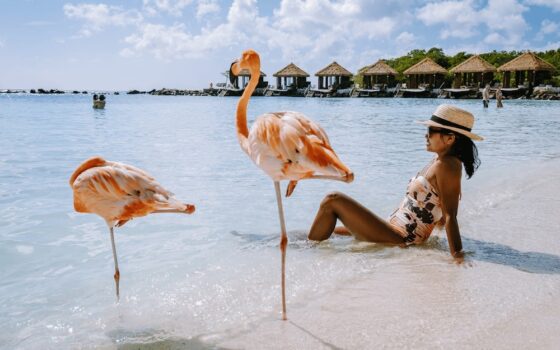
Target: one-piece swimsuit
x,y
419,211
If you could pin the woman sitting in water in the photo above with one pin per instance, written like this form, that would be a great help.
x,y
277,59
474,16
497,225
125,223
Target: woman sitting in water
x,y
432,196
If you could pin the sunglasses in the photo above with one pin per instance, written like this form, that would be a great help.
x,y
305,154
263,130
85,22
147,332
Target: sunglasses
x,y
432,131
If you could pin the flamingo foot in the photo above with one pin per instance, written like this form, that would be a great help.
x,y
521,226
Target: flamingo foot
x,y
290,188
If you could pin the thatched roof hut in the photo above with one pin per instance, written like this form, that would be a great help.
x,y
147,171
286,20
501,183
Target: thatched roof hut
x,y
333,74
426,66
379,68
291,70
378,73
526,62
473,64
474,71
527,69
293,76
426,72
333,69
245,75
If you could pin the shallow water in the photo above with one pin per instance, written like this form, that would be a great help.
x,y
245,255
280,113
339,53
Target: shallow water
x,y
199,279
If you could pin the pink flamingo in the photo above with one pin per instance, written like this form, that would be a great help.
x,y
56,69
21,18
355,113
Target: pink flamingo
x,y
118,193
286,146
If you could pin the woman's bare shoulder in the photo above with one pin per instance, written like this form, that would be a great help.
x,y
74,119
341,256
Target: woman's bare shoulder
x,y
448,165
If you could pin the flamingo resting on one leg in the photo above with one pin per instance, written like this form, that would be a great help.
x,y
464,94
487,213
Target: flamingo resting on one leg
x,y
286,145
119,192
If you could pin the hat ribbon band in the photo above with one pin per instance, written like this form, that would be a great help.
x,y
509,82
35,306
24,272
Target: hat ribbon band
x,y
448,123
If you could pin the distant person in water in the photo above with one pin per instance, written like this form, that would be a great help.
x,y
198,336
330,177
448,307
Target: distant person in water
x,y
98,102
432,196
486,95
499,97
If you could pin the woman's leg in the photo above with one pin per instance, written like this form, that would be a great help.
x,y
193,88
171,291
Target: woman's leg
x,y
363,224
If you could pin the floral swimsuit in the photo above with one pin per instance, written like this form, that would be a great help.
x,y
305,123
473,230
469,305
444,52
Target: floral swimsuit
x,y
418,213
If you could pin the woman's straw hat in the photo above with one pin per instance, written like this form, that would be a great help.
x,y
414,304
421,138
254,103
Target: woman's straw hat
x,y
453,118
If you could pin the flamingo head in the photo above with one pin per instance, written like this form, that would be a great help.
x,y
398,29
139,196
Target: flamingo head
x,y
249,60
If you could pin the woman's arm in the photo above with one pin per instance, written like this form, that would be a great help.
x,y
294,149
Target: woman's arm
x,y
448,177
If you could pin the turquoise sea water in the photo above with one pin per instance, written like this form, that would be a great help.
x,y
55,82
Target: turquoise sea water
x,y
200,277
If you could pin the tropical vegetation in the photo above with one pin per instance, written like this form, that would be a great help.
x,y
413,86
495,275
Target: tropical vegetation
x,y
496,58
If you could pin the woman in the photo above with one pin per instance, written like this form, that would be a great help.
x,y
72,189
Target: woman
x,y
499,97
432,196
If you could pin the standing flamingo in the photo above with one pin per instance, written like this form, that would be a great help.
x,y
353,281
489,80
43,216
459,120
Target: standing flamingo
x,y
118,193
286,146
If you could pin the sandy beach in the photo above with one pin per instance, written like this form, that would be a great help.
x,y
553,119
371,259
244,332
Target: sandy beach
x,y
504,297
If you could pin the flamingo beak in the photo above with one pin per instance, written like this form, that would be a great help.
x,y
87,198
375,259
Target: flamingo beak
x,y
232,76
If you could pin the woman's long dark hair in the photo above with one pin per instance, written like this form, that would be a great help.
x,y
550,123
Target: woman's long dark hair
x,y
464,149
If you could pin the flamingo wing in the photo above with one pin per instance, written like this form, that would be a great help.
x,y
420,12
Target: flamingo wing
x,y
120,192
287,145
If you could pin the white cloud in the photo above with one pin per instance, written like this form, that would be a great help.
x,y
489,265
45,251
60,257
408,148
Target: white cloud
x,y
458,17
506,16
296,28
172,7
1,44
494,39
206,7
172,42
461,19
406,39
99,16
554,4
547,27
551,46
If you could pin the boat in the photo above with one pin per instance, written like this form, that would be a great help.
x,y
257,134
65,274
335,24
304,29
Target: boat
x,y
419,92
463,92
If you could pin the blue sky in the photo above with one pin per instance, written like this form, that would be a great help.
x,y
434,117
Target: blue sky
x,y
147,44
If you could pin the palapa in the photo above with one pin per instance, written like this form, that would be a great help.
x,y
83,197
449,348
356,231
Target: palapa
x,y
426,66
246,73
291,70
526,62
380,68
333,69
474,64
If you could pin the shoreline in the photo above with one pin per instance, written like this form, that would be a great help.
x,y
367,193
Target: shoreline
x,y
506,299
539,93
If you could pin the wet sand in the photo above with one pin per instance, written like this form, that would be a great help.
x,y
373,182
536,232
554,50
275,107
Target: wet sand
x,y
505,296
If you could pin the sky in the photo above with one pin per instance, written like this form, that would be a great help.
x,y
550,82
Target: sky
x,y
186,44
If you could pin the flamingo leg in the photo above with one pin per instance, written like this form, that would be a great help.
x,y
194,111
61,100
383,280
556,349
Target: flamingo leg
x,y
283,245
117,275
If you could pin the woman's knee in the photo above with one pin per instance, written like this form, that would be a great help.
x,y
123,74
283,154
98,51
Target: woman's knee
x,y
331,198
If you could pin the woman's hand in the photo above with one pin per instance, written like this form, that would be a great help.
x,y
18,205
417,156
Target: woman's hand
x,y
459,258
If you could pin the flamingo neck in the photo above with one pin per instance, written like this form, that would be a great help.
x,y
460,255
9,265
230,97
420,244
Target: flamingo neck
x,y
242,128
